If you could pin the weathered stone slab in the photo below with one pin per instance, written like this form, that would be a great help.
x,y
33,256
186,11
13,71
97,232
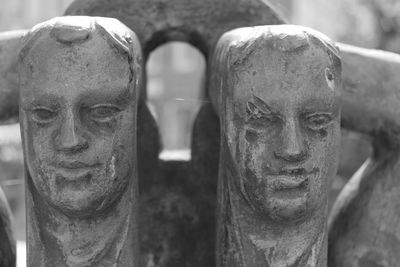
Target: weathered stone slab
x,y
200,23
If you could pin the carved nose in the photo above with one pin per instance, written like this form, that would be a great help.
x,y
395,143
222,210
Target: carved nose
x,y
69,138
293,148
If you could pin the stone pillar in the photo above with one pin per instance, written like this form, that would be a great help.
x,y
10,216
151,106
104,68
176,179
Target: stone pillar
x,y
276,90
79,78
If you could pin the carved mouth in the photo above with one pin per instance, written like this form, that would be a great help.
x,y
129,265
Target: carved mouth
x,y
74,170
295,171
283,182
292,179
74,165
73,174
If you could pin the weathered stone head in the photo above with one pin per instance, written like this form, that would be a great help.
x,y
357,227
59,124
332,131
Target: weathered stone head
x,y
78,79
78,84
278,100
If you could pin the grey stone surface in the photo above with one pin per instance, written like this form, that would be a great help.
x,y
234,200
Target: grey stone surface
x,y
364,228
369,106
178,199
79,83
277,92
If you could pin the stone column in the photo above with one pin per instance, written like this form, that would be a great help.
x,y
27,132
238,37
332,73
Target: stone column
x,y
277,92
79,78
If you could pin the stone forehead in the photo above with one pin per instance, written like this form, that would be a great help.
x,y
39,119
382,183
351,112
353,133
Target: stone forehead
x,y
73,48
76,30
46,50
89,62
292,40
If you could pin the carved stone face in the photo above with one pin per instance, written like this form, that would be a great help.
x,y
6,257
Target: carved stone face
x,y
78,114
283,130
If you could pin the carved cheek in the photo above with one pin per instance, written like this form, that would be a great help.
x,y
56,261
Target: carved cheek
x,y
251,136
323,156
321,143
43,140
122,156
122,147
255,158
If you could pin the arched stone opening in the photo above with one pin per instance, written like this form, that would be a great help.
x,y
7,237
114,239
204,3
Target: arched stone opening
x,y
175,91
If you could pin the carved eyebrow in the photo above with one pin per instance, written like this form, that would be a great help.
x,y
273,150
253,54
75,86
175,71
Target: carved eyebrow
x,y
119,98
257,107
261,105
41,100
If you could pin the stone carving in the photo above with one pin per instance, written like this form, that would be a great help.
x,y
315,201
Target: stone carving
x,y
7,244
79,78
369,106
276,89
198,23
364,227
178,198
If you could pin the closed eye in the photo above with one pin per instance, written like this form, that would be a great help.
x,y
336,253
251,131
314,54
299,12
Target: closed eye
x,y
103,112
43,114
263,118
318,121
258,117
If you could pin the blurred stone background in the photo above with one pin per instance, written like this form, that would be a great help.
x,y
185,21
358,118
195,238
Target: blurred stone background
x,y
176,75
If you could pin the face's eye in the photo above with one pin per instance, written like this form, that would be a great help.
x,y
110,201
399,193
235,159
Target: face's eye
x,y
43,115
263,119
103,113
253,112
259,117
318,121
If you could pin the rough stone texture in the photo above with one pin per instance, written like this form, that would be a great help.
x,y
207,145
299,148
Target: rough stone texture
x,y
369,106
79,83
277,92
177,199
201,24
364,226
9,49
197,22
7,244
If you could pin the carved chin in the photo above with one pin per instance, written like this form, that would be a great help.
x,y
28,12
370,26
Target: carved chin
x,y
77,200
288,210
283,197
90,193
75,204
290,205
